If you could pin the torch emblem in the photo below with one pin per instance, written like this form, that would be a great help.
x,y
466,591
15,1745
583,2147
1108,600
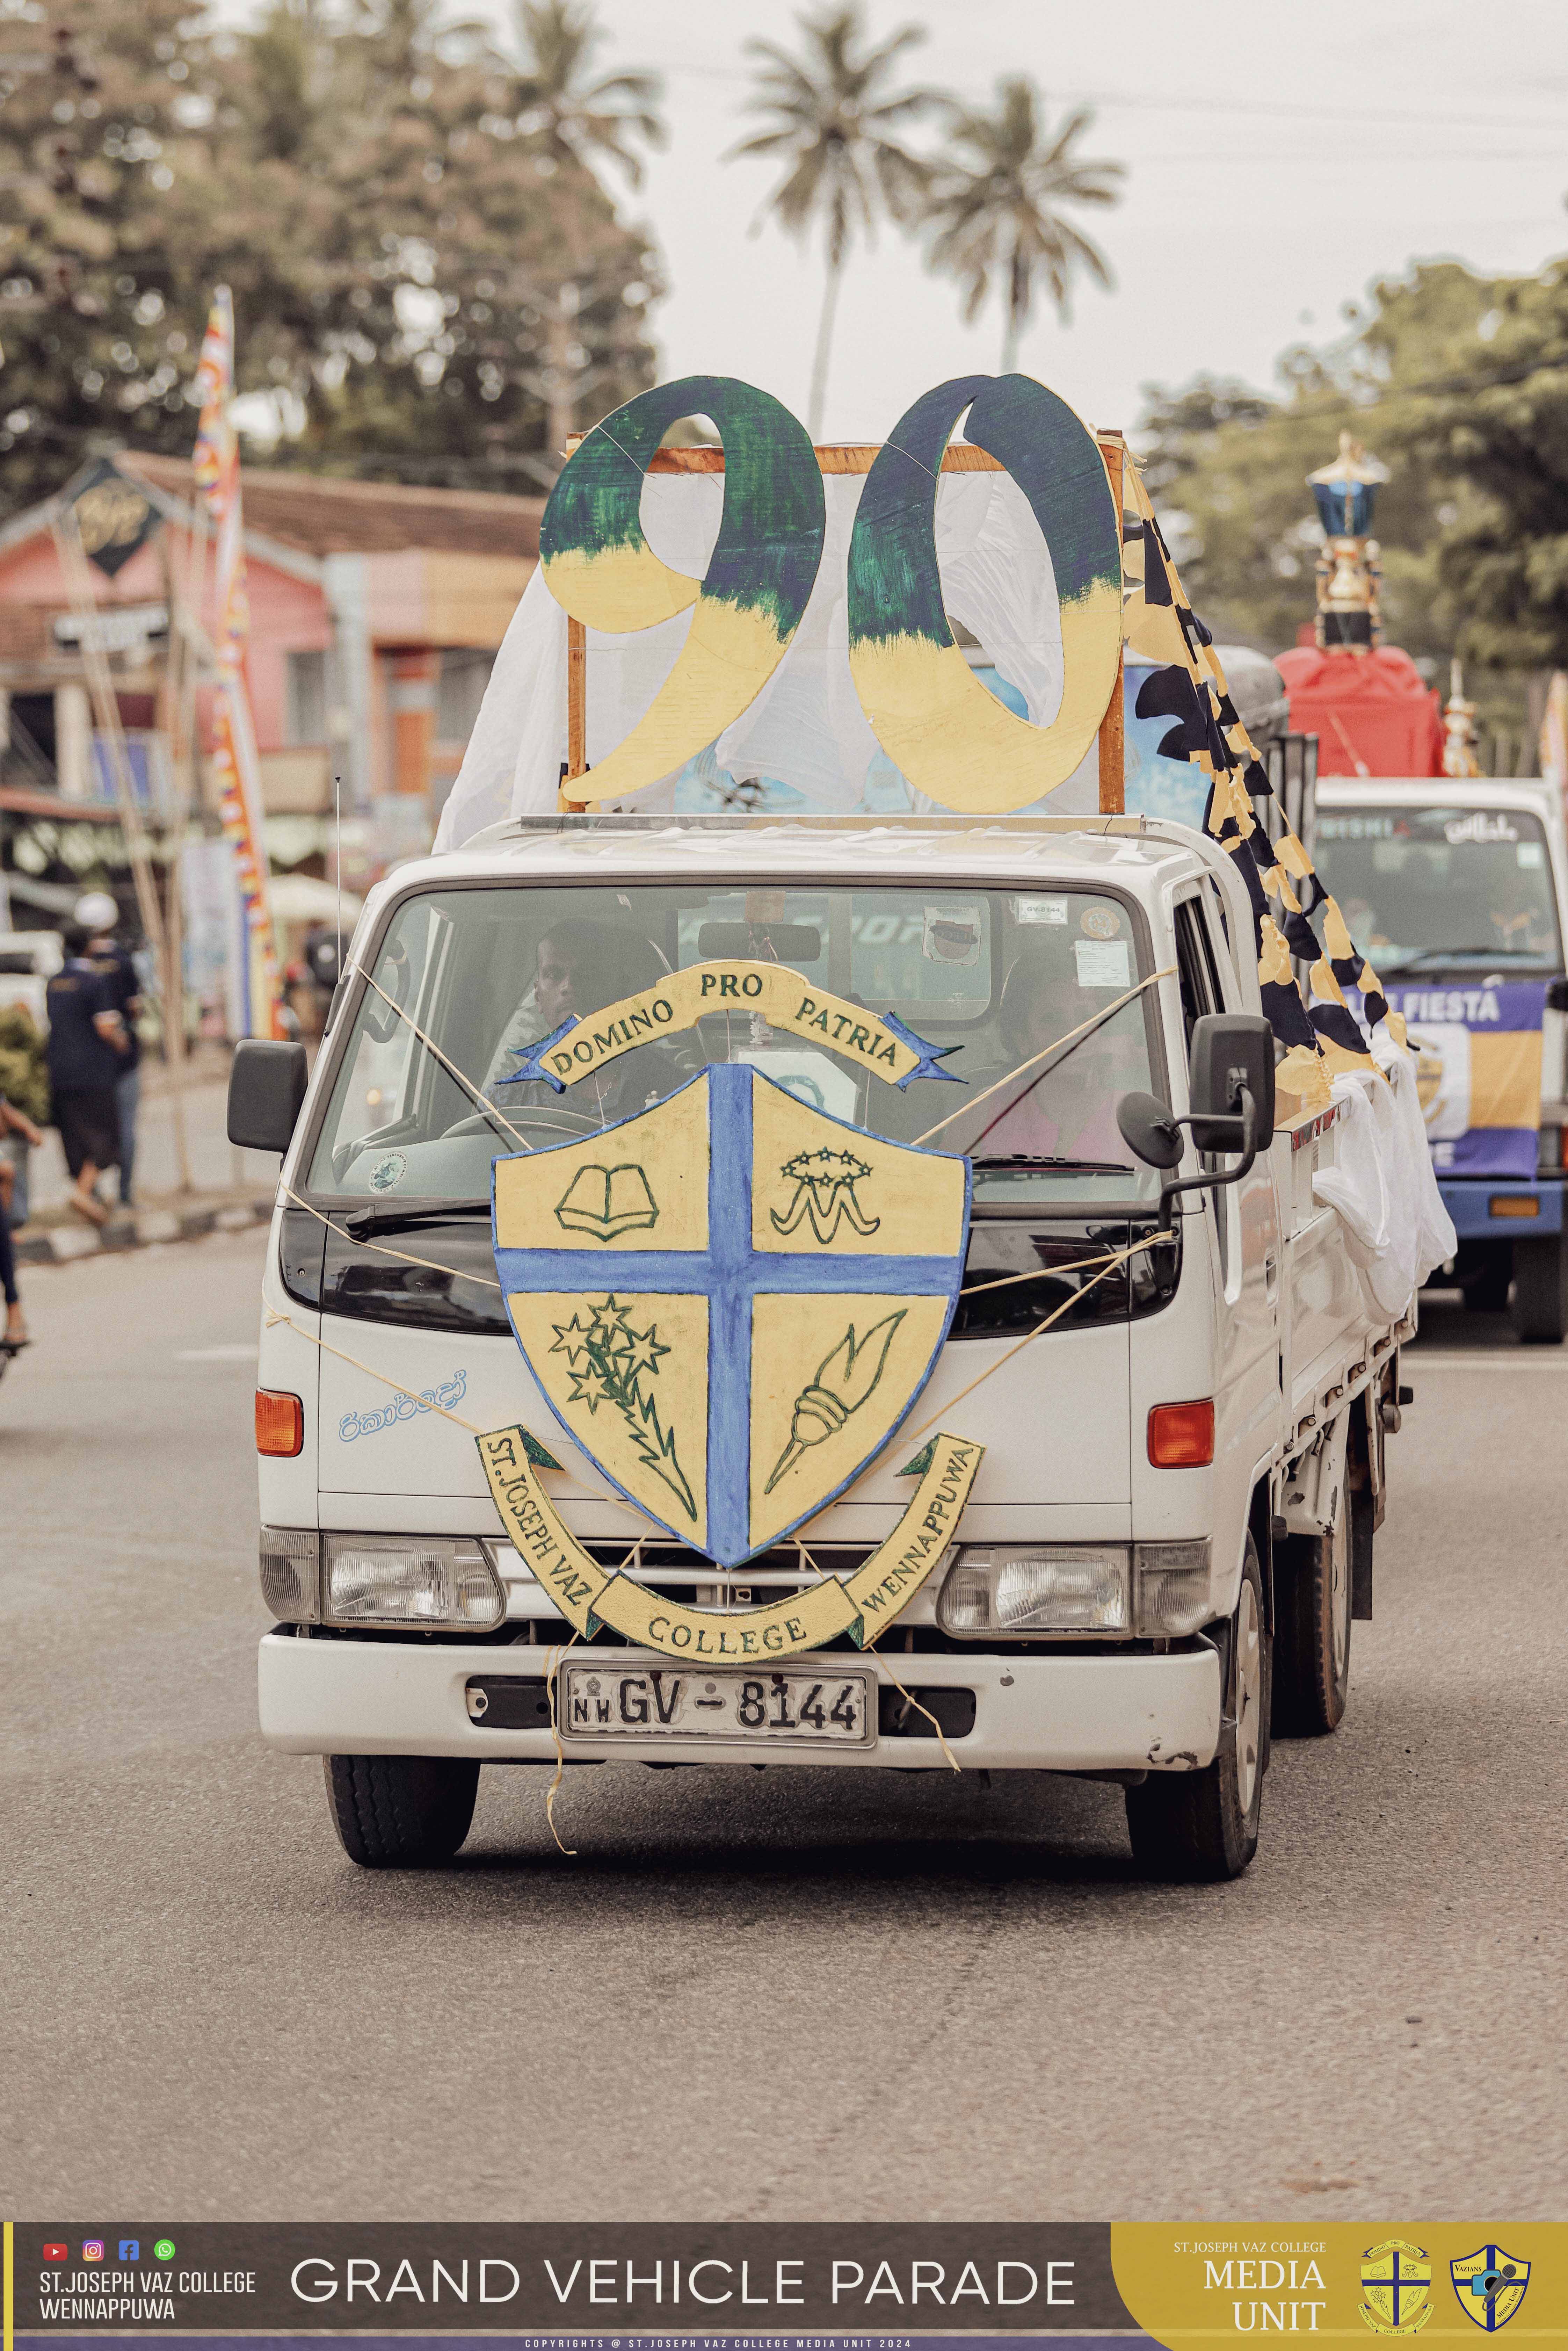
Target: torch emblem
x,y
676,1344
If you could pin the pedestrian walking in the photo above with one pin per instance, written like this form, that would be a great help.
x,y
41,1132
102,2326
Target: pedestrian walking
x,y
25,1084
12,1122
87,1046
97,912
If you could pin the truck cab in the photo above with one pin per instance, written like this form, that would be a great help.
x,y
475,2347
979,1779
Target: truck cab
x,y
1456,889
1182,1393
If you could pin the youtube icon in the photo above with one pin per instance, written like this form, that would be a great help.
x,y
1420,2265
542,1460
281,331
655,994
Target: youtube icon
x,y
56,2252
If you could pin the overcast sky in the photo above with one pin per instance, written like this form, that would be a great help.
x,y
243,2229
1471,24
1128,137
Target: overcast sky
x,y
1278,156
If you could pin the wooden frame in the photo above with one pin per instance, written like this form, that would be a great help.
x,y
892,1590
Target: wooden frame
x,y
844,457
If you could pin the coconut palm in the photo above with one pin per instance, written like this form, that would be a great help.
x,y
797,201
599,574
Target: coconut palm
x,y
832,115
582,119
997,210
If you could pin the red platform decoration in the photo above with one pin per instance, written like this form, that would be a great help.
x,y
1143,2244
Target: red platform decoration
x,y
1369,709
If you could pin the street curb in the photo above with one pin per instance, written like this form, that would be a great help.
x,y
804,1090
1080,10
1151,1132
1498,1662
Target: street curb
x,y
143,1228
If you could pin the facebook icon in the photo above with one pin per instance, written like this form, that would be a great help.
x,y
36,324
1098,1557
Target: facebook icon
x,y
131,2248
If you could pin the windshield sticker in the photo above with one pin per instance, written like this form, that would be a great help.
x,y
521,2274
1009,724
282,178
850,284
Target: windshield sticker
x,y
1100,923
952,934
1478,826
1530,855
402,1407
813,1078
388,1173
1026,911
1102,962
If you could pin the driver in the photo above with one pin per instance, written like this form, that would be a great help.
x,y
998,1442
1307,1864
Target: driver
x,y
581,967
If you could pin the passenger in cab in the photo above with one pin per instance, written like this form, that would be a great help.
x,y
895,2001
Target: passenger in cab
x,y
1066,1110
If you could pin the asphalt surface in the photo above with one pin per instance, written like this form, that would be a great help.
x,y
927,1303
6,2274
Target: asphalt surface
x,y
751,1995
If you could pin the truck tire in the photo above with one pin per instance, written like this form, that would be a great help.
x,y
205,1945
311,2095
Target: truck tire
x,y
1541,1290
1199,1827
1485,1290
1313,1599
399,1812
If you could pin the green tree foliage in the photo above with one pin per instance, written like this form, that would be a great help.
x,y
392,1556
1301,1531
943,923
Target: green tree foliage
x,y
1496,427
999,207
834,118
429,279
1460,384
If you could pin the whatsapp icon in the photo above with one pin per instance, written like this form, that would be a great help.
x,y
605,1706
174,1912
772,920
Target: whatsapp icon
x,y
163,2250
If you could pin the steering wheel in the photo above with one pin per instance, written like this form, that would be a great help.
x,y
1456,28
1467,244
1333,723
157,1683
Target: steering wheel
x,y
551,1125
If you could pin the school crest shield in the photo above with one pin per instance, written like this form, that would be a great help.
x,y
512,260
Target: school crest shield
x,y
731,1300
1395,2288
1489,2284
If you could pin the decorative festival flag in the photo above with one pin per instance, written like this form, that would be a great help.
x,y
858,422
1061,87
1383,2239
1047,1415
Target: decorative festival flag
x,y
216,468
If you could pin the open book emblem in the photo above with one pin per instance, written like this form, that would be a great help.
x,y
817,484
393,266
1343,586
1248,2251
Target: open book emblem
x,y
607,1201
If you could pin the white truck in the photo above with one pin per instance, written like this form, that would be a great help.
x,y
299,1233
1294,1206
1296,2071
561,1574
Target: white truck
x,y
1172,1526
1456,889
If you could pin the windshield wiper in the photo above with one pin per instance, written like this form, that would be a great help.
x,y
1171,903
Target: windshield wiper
x,y
1425,957
373,1219
1018,1163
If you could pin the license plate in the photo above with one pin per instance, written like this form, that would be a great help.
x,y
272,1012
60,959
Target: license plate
x,y
830,1709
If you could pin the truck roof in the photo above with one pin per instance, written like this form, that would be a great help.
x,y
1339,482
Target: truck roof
x,y
1001,849
1425,791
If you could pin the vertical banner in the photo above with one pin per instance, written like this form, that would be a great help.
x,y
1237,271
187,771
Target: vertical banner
x,y
234,735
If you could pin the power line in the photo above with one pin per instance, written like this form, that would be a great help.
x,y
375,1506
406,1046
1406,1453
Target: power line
x,y
1194,106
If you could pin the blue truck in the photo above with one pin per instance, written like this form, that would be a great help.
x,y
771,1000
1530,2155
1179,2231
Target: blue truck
x,y
1455,888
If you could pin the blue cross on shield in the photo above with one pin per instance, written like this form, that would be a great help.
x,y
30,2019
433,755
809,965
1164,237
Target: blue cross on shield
x,y
731,1300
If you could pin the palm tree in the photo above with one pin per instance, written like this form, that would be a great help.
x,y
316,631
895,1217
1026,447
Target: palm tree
x,y
582,119
831,116
997,209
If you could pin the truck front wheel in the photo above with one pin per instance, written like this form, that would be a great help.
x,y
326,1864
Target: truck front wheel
x,y
1203,1825
399,1812
1541,1290
1311,1628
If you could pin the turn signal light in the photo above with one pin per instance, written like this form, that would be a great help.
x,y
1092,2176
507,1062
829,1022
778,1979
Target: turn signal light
x,y
279,1423
1513,1204
1181,1435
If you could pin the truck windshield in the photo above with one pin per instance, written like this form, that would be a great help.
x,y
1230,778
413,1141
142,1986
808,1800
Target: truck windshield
x,y
998,975
1420,888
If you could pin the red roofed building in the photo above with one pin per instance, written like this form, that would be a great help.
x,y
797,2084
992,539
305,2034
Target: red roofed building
x,y
375,613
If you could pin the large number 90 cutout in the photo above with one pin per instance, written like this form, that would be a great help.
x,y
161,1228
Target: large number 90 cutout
x,y
951,738
598,565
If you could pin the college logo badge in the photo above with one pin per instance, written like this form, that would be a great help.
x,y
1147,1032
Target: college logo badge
x,y
1489,2284
1395,2288
731,1300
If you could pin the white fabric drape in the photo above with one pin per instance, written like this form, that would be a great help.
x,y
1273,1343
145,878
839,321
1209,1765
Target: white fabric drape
x,y
806,729
1383,1187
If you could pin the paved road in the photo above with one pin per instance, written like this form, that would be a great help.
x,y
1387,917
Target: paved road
x,y
751,1995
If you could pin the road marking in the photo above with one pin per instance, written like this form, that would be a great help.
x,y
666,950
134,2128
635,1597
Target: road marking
x,y
235,1354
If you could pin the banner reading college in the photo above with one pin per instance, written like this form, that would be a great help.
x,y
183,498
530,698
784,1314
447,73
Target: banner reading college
x,y
861,1604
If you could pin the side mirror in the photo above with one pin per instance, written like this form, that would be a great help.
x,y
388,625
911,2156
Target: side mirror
x,y
266,1088
1148,1130
1230,1050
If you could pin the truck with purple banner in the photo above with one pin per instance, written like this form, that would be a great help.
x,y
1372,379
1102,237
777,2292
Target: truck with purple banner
x,y
1454,889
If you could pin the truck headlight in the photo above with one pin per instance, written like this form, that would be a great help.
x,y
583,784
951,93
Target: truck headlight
x,y
1173,1587
291,1573
425,1580
1012,1590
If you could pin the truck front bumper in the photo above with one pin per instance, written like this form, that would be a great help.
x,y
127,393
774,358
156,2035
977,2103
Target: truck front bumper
x,y
1041,1713
1472,1200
